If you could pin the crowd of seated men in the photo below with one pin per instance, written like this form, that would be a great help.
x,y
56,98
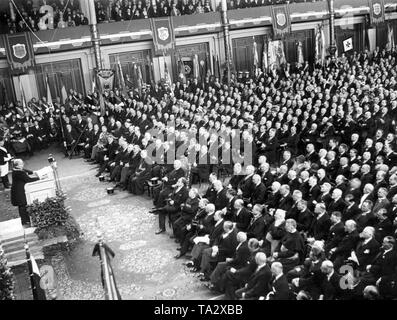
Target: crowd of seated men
x,y
69,13
309,213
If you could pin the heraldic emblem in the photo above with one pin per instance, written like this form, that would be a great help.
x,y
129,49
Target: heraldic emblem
x,y
163,33
19,50
377,8
281,19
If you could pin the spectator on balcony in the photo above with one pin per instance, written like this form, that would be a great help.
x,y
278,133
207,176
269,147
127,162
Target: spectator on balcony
x,y
70,22
199,8
174,10
83,20
153,11
207,7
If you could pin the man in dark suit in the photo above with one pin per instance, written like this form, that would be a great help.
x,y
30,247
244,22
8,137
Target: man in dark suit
x,y
348,243
259,283
337,203
223,247
20,177
385,262
177,197
351,210
246,185
213,233
367,248
320,224
257,227
330,286
242,216
286,200
279,285
162,192
336,231
221,201
239,260
259,192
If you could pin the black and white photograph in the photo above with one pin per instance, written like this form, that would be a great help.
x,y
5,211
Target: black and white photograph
x,y
190,156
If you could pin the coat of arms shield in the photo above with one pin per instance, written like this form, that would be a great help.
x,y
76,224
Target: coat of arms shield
x,y
377,8
19,50
163,33
281,19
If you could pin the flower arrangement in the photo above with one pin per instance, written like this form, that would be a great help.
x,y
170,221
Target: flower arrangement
x,y
52,218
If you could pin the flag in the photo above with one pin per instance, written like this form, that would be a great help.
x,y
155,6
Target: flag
x,y
167,76
107,276
320,45
196,70
216,66
301,60
106,79
376,11
102,104
163,35
256,58
281,20
181,70
64,93
265,61
348,44
390,37
23,99
139,77
38,292
367,44
120,75
49,97
19,51
93,85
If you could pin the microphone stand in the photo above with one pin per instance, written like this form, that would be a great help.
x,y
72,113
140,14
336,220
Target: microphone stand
x,y
77,141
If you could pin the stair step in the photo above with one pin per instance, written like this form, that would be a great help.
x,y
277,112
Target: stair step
x,y
21,254
22,261
10,241
10,234
17,246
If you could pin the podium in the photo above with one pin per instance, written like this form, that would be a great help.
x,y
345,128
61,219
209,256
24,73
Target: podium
x,y
41,189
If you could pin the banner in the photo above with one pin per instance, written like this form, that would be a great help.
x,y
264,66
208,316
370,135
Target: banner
x,y
281,20
256,58
320,45
163,35
376,11
105,79
390,37
19,50
276,53
348,44
265,63
301,59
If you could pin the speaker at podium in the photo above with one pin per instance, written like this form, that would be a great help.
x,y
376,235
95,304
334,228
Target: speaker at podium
x,y
41,189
